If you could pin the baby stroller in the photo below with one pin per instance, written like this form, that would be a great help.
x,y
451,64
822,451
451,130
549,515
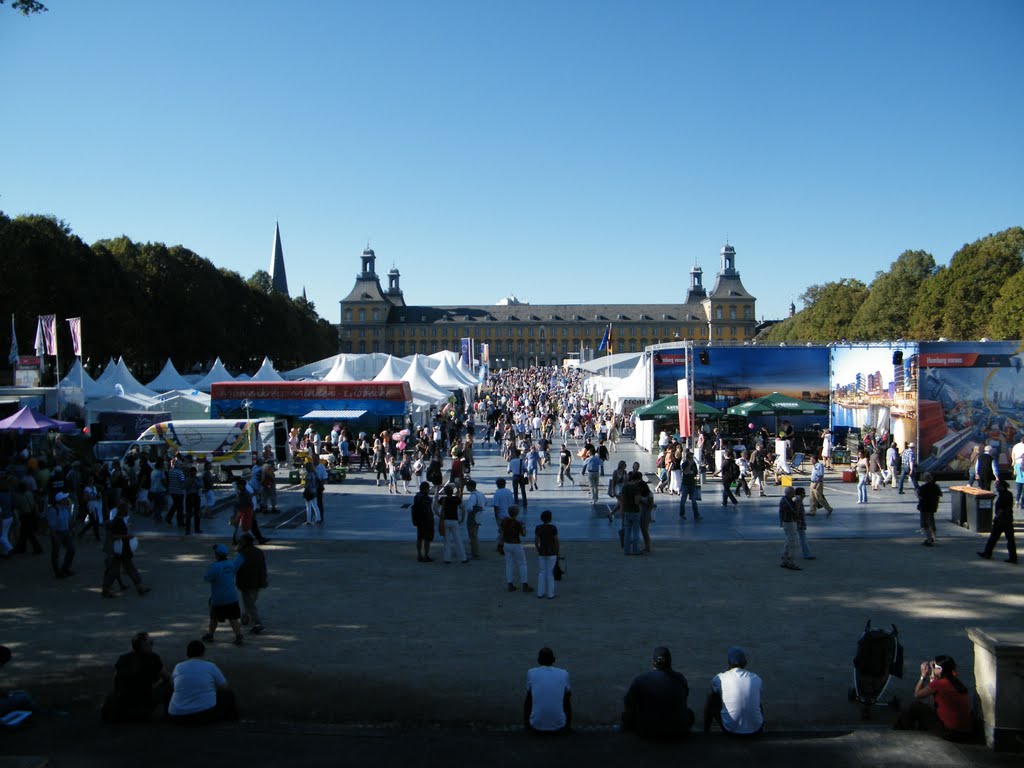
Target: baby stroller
x,y
878,663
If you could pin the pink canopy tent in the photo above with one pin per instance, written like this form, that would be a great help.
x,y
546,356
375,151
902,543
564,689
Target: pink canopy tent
x,y
27,420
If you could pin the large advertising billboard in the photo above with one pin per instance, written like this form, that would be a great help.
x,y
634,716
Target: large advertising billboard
x,y
875,387
971,395
728,376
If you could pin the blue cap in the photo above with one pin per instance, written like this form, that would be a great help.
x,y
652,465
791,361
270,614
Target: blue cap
x,y
220,549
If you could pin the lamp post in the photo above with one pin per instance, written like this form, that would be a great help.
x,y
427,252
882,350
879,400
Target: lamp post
x,y
247,404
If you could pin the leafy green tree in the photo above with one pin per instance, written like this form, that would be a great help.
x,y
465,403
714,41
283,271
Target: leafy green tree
x,y
827,314
27,7
1007,320
893,295
260,281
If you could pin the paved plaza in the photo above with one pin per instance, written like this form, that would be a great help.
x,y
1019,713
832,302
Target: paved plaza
x,y
425,663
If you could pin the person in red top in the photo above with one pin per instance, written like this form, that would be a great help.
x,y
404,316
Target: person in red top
x,y
941,703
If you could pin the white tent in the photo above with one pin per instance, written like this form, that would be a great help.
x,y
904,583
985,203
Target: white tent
x,y
463,370
343,370
119,404
108,372
315,370
619,364
421,385
77,377
184,404
632,387
448,378
217,374
129,384
169,379
266,372
243,377
394,369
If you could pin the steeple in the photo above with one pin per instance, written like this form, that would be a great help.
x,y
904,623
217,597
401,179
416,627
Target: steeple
x,y
369,263
394,293
696,292
728,261
278,277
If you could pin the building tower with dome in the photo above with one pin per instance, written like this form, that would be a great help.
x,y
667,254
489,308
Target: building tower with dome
x,y
521,334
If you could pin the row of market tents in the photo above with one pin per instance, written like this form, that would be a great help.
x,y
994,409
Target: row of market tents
x,y
433,379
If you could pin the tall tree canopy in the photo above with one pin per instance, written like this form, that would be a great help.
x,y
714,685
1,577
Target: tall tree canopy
x,y
149,301
979,294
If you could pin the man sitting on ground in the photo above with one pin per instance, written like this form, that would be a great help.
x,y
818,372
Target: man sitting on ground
x,y
201,692
655,705
548,705
735,699
141,683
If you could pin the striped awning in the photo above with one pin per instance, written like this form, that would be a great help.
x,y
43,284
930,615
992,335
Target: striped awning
x,y
330,415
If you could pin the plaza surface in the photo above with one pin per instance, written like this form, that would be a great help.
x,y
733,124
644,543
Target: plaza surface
x,y
435,655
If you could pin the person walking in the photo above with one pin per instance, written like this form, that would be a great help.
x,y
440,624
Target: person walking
x,y
58,517
176,489
512,531
730,473
908,467
309,488
220,574
801,523
451,514
689,488
193,487
565,466
1002,523
545,539
475,503
758,465
788,523
250,578
928,503
818,489
121,556
862,477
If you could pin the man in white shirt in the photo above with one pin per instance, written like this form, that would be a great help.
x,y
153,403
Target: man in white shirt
x,y
475,502
201,693
735,699
548,704
502,501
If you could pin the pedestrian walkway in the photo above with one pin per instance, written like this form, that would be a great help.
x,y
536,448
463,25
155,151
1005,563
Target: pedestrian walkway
x,y
358,509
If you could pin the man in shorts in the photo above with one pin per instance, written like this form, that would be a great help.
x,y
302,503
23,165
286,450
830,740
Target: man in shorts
x,y
223,594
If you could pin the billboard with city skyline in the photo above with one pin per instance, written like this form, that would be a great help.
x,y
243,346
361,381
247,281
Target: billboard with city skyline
x,y
875,386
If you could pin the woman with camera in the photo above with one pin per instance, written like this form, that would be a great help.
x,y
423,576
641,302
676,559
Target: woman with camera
x,y
941,704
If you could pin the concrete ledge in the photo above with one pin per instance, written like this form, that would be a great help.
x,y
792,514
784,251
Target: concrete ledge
x,y
999,680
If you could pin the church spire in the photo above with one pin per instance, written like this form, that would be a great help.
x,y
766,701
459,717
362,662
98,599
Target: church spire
x,y
278,277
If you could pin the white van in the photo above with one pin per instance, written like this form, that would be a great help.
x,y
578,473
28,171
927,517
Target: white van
x,y
231,444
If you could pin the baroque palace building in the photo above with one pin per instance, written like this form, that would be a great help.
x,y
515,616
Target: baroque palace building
x,y
521,334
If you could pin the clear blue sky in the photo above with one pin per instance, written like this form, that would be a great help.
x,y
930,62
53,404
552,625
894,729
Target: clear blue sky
x,y
566,152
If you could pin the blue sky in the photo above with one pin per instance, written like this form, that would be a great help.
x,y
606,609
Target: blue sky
x,y
566,152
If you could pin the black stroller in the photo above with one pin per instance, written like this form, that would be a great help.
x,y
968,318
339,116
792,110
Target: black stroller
x,y
878,663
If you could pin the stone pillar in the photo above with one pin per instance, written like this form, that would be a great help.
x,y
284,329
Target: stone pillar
x,y
999,679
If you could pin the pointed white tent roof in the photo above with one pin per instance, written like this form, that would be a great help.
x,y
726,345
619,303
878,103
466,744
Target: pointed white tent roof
x,y
343,370
266,372
633,386
448,378
394,369
169,379
77,377
217,374
315,370
129,384
108,372
463,370
243,377
422,387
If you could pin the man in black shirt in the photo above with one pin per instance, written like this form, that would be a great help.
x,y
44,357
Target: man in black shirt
x,y
140,684
655,704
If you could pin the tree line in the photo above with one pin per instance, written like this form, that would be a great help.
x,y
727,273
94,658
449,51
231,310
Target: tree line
x,y
149,302
979,294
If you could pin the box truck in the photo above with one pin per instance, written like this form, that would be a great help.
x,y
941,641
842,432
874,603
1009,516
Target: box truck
x,y
231,444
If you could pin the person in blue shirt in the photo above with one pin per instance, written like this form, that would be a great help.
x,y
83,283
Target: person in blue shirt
x,y
223,593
